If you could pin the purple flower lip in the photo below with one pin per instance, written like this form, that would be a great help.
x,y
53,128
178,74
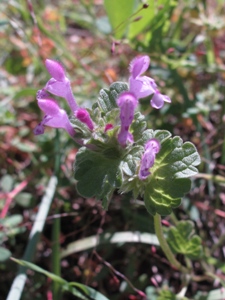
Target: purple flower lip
x,y
152,147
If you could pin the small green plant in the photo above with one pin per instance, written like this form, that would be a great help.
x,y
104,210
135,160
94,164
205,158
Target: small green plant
x,y
119,153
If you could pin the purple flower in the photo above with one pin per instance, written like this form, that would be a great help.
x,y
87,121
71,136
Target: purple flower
x,y
127,103
59,84
143,86
54,117
83,115
152,147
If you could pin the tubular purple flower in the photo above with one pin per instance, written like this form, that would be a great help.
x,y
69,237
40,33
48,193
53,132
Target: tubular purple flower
x,y
59,84
84,116
143,86
152,147
54,117
127,103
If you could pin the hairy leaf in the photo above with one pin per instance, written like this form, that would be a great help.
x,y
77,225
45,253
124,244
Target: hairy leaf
x,y
107,98
98,174
169,179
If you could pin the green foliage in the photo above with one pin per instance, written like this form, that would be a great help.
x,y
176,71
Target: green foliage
x,y
107,98
166,295
97,175
11,228
155,16
106,166
169,180
77,289
183,240
118,12
186,47
129,20
11,225
4,254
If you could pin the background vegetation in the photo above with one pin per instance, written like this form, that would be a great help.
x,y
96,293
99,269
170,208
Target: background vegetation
x,y
95,40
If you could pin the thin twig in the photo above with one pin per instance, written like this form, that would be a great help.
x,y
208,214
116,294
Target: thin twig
x,y
117,273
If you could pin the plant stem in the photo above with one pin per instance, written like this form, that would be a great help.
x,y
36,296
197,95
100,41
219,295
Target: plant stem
x,y
56,268
165,247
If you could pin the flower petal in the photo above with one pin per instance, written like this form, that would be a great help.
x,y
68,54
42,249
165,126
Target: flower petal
x,y
139,65
158,100
84,116
55,69
39,129
142,86
127,103
49,107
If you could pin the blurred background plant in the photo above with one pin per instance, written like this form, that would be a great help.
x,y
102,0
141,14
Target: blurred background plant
x,y
95,40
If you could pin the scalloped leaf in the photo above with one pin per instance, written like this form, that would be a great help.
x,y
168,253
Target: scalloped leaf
x,y
183,240
138,126
107,98
169,181
98,174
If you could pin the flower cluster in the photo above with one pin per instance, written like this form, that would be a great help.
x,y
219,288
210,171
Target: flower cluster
x,y
59,85
139,87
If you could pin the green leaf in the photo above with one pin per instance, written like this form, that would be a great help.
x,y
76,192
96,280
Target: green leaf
x,y
98,174
169,181
151,293
166,295
11,227
11,221
146,16
183,240
107,98
24,199
119,12
4,254
138,126
77,289
6,183
155,16
217,294
25,92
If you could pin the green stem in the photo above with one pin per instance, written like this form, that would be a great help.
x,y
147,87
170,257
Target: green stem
x,y
174,218
165,247
56,268
56,287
